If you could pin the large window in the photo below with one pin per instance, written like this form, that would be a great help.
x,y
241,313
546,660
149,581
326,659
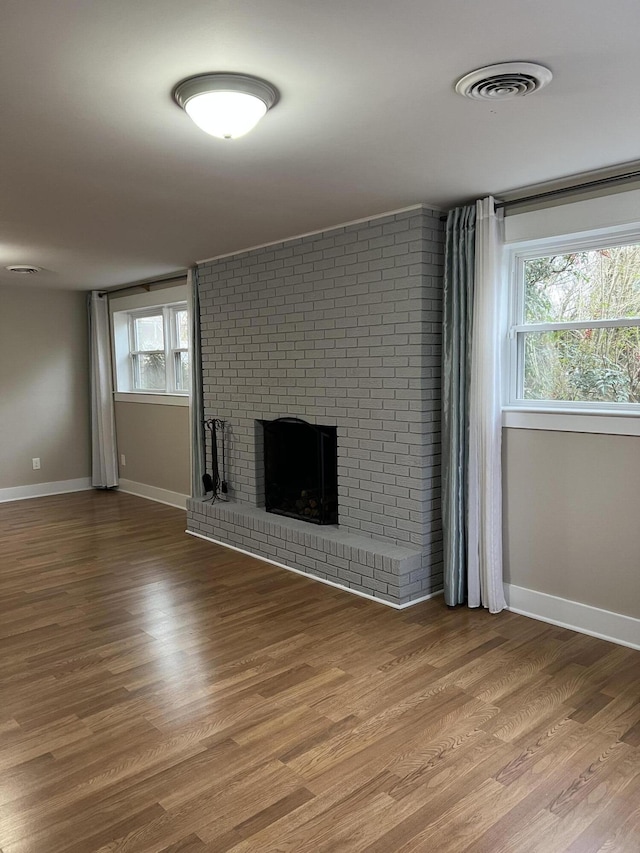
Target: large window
x,y
575,328
156,359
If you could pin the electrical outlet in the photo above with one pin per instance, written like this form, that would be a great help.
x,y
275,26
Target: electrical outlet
x,y
36,463
123,460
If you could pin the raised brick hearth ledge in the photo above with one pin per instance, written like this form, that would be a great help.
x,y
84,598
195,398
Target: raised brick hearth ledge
x,y
383,570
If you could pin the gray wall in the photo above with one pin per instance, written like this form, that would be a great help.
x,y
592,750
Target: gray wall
x,y
341,328
44,386
571,524
154,437
155,442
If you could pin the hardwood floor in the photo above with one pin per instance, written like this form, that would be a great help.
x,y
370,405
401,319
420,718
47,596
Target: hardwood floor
x,y
161,693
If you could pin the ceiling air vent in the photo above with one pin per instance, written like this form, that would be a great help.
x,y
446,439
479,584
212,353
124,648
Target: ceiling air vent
x,y
502,81
23,269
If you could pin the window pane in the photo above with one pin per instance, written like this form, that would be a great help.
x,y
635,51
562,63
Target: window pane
x,y
597,365
149,371
182,371
182,329
149,333
598,284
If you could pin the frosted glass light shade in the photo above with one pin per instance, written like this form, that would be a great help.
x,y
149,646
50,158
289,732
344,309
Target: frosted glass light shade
x,y
225,105
227,115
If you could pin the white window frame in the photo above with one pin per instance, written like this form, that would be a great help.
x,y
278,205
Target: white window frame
x,y
127,353
175,349
564,415
135,353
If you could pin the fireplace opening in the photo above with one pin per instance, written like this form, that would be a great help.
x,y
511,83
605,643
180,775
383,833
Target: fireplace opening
x,y
301,470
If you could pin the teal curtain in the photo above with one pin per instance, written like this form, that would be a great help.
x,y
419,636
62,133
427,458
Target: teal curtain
x,y
456,354
196,407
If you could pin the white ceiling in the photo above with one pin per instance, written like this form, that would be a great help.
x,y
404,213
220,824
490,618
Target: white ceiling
x,y
106,181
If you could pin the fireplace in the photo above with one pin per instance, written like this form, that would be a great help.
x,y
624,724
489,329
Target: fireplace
x,y
355,344
301,470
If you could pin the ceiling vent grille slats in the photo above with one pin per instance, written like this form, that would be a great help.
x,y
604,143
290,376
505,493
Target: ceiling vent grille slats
x,y
22,269
503,81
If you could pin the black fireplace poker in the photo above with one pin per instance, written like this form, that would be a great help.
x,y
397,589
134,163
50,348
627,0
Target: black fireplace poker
x,y
213,482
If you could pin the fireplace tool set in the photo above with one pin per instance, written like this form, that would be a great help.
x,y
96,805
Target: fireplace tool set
x,y
213,482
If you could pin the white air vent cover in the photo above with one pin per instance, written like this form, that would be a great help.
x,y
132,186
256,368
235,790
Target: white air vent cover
x,y
506,80
23,269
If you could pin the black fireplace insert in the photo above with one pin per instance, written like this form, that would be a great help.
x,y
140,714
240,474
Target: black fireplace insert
x,y
301,470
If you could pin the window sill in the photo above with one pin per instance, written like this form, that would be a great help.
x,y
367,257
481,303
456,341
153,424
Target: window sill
x,y
157,399
567,420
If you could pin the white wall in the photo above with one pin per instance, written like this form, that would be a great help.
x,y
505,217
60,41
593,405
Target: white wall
x,y
619,210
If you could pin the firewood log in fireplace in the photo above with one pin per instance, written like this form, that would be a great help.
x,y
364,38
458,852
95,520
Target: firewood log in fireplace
x,y
307,505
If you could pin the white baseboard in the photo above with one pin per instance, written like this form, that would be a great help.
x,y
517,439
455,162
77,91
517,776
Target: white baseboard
x,y
604,624
315,577
41,490
154,493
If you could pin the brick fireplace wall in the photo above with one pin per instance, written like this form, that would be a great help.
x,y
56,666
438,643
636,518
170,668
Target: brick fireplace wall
x,y
341,328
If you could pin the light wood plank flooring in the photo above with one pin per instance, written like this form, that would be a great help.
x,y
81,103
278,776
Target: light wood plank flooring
x,y
161,693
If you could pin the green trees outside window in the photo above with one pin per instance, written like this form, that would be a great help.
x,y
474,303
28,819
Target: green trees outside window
x,y
586,306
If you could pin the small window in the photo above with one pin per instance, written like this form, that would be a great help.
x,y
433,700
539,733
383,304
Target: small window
x,y
575,333
156,360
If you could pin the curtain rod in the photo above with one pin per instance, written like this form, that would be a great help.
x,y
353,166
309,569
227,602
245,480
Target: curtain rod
x,y
583,187
146,285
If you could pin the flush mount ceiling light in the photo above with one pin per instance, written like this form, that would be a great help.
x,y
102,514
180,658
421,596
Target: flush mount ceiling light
x,y
503,81
225,105
22,269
